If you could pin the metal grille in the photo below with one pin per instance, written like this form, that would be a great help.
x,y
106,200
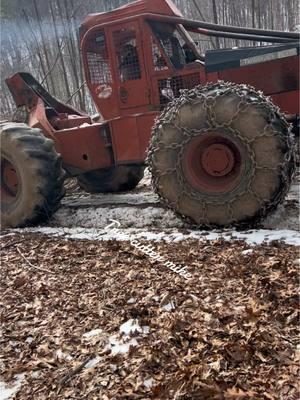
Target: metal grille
x,y
171,88
99,69
127,54
159,61
98,61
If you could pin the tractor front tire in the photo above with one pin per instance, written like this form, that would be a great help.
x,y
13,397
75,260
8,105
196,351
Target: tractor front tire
x,y
221,155
112,180
32,177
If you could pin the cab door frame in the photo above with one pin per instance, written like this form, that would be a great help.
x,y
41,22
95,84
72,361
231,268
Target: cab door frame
x,y
132,93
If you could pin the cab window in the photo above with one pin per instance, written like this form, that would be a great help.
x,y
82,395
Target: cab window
x,y
98,60
173,44
125,43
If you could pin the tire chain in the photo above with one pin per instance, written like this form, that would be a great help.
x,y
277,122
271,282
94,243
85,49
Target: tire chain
x,y
208,95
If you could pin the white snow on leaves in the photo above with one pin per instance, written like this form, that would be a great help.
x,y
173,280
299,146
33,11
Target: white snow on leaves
x,y
132,326
252,237
119,343
92,333
7,391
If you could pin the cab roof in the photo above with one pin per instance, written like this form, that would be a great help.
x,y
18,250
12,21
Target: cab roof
x,y
162,7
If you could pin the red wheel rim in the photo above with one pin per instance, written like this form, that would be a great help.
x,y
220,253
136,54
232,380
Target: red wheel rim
x,y
212,163
9,181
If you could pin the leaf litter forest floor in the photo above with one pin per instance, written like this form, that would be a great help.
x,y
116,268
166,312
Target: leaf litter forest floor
x,y
86,315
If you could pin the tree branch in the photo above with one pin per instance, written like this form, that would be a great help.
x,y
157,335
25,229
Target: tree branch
x,y
76,91
33,266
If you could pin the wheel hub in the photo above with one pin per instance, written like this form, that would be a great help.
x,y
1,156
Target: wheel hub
x,y
9,180
212,162
217,160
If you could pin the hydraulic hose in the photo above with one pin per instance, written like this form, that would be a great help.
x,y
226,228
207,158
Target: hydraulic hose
x,y
208,27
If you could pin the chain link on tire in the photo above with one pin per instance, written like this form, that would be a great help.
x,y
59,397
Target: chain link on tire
x,y
254,122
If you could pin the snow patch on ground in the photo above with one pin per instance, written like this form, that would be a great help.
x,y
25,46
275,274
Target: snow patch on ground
x,y
7,391
142,217
119,343
144,210
149,383
94,332
132,326
248,251
151,216
120,346
93,362
63,356
99,217
169,307
252,237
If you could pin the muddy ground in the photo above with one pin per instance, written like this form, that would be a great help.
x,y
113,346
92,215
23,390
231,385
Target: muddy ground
x,y
142,209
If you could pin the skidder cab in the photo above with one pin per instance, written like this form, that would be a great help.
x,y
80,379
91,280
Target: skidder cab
x,y
220,151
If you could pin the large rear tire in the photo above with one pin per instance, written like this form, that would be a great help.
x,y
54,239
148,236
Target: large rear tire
x,y
112,180
221,155
32,177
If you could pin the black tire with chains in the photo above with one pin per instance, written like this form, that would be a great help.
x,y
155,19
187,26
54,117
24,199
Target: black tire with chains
x,y
40,175
112,180
254,124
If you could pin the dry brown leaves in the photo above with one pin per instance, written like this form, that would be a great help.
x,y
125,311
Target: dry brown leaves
x,y
232,333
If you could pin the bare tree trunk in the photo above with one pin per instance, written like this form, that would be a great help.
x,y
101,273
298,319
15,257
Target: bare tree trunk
x,y
38,51
215,15
80,64
59,47
73,55
253,16
44,46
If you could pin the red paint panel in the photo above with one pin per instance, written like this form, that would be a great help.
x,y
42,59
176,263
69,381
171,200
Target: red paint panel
x,y
85,148
278,79
125,139
271,77
131,136
288,102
